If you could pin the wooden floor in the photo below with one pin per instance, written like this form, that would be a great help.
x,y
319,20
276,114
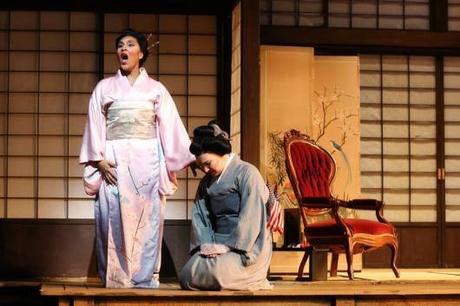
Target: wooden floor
x,y
371,287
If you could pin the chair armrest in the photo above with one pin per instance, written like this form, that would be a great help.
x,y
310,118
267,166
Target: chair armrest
x,y
365,204
369,204
318,202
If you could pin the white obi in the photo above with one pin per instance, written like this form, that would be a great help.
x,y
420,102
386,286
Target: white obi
x,y
131,119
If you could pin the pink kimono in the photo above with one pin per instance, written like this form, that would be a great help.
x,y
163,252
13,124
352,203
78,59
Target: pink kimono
x,y
139,129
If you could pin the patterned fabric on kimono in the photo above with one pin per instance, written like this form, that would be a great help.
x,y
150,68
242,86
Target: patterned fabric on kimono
x,y
139,129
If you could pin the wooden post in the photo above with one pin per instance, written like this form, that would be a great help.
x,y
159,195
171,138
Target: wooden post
x,y
318,265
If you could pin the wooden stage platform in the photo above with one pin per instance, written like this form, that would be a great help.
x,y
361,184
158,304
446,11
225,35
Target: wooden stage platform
x,y
371,287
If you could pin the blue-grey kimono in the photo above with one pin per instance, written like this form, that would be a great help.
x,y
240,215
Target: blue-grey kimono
x,y
230,211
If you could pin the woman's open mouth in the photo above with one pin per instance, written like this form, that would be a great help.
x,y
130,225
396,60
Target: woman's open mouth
x,y
124,58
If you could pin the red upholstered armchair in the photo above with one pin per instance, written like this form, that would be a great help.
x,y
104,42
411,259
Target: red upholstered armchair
x,y
311,170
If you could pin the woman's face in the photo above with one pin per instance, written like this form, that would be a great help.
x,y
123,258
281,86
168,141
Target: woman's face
x,y
211,163
129,53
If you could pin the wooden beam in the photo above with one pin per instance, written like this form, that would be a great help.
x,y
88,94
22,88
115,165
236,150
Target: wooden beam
x,y
224,69
250,82
439,15
362,39
135,6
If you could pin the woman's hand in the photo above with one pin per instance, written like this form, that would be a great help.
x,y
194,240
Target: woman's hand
x,y
213,249
107,171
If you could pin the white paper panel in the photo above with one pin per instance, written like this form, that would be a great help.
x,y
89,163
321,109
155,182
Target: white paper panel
x,y
176,84
74,145
53,82
21,208
115,22
395,79
176,210
21,166
21,145
51,188
173,24
77,124
80,61
78,103
422,165
21,61
395,96
53,103
423,215
81,209
75,168
83,82
51,209
174,44
426,198
173,64
370,164
21,124
371,181
52,124
83,41
51,145
76,190
398,113
396,181
54,41
423,148
395,148
202,85
200,44
370,78
21,187
369,95
452,181
202,65
371,147
422,97
201,24
370,129
202,106
146,23
51,166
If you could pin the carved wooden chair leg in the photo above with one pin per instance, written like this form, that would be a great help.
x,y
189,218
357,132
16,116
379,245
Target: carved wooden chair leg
x,y
394,256
334,263
349,254
302,264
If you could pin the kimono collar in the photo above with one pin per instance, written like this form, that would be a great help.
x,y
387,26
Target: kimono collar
x,y
142,74
226,166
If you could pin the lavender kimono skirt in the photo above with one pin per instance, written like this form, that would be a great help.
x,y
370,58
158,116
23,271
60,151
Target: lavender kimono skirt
x,y
129,216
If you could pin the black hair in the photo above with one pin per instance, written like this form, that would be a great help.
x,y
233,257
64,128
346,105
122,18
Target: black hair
x,y
141,40
210,139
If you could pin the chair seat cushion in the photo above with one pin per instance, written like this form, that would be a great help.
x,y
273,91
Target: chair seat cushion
x,y
329,227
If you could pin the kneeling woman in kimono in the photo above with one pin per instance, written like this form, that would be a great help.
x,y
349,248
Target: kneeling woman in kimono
x,y
231,246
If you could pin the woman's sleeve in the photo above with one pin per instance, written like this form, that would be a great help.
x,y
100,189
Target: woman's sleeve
x,y
174,137
252,217
202,230
93,144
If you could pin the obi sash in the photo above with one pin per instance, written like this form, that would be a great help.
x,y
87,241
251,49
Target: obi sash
x,y
131,119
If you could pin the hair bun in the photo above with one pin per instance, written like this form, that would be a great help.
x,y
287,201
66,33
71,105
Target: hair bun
x,y
210,139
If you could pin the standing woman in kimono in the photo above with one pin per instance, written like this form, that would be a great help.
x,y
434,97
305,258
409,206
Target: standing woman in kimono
x,y
231,245
134,141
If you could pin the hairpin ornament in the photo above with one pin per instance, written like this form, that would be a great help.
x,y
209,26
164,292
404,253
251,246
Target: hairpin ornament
x,y
219,132
152,45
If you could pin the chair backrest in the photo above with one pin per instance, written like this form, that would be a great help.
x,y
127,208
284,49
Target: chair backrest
x,y
310,168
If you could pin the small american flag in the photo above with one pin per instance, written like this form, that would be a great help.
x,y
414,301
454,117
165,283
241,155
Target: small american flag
x,y
275,221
